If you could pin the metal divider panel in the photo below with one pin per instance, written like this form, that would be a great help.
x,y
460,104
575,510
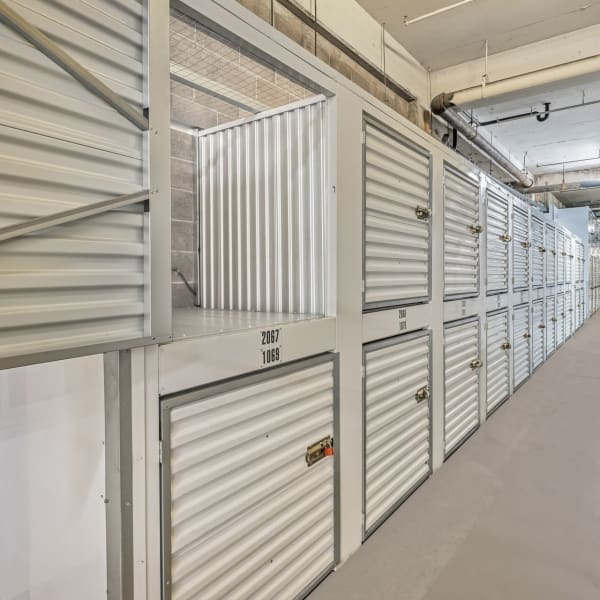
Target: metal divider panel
x,y
521,346
245,516
560,319
461,384
397,423
497,246
560,257
550,255
568,259
550,325
521,246
497,360
538,339
397,219
538,252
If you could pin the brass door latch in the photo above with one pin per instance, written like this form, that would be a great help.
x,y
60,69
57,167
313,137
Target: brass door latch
x,y
506,346
476,228
319,451
526,244
505,238
422,212
476,364
422,394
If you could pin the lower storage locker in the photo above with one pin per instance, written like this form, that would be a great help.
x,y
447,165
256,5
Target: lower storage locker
x,y
248,485
462,365
580,307
538,342
521,344
497,366
569,314
550,325
560,319
397,423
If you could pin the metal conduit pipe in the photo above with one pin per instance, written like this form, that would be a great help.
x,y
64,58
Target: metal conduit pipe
x,y
561,187
443,106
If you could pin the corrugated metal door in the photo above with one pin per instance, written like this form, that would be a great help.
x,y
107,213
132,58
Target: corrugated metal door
x,y
521,344
560,257
569,314
538,324
462,365
84,282
262,214
550,255
568,258
244,515
578,308
397,421
538,252
397,210
521,245
580,262
560,319
497,365
497,238
461,235
550,325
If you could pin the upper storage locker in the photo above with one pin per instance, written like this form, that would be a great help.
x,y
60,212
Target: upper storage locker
x,y
521,245
538,252
560,256
397,211
461,234
550,255
497,238
569,244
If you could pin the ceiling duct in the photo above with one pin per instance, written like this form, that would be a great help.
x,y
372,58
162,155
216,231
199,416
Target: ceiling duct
x,y
557,188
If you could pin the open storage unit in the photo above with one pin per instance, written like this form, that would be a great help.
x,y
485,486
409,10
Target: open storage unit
x,y
497,362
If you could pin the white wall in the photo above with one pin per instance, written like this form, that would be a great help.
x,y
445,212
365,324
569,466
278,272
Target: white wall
x,y
52,518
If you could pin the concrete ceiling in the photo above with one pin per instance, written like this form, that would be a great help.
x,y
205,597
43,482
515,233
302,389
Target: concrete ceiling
x,y
459,35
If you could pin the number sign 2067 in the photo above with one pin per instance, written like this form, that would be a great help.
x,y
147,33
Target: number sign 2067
x,y
270,350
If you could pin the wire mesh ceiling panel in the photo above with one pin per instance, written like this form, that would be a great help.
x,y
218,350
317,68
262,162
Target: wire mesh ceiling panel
x,y
538,252
568,258
462,366
497,238
262,214
560,256
569,314
397,209
538,325
550,325
521,344
560,319
521,245
550,255
461,235
81,283
497,360
397,422
248,485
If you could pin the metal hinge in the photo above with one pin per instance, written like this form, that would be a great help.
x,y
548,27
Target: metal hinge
x,y
422,212
160,452
319,451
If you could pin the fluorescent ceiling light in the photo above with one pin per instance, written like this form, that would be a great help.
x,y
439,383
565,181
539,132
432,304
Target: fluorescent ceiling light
x,y
408,21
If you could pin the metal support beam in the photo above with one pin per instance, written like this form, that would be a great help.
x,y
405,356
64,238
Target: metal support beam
x,y
68,216
36,38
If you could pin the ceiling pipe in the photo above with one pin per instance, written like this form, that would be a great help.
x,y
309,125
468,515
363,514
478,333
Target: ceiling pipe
x,y
443,106
574,186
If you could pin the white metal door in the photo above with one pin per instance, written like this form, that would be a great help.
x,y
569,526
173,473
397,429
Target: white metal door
x,y
580,263
497,367
560,319
550,255
521,344
569,314
538,324
538,252
521,245
397,421
248,485
578,308
497,238
560,257
397,210
550,325
461,235
462,365
568,258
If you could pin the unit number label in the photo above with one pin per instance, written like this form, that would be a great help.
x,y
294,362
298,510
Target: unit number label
x,y
270,351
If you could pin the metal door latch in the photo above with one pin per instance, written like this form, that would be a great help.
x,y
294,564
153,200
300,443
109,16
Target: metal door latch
x,y
542,249
422,213
319,451
505,238
476,364
542,326
554,319
553,252
506,346
526,335
526,244
563,253
422,394
570,310
476,228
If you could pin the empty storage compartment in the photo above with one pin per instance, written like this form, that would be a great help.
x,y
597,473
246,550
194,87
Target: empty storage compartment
x,y
248,486
550,255
397,224
551,321
538,340
497,239
521,344
560,319
521,246
462,367
497,362
462,230
397,422
538,250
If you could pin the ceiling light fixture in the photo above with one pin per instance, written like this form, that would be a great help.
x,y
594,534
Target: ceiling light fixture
x,y
408,21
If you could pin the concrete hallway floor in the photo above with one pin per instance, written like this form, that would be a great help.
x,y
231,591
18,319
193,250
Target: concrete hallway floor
x,y
514,514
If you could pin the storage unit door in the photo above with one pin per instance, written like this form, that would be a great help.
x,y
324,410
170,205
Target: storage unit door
x,y
580,263
397,208
569,314
568,259
550,255
521,344
497,365
538,250
397,413
578,308
497,238
550,325
462,366
560,319
521,245
538,341
560,257
248,485
461,235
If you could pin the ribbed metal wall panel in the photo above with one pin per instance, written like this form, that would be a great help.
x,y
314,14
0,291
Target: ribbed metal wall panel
x,y
521,344
550,255
551,321
569,314
538,325
560,319
461,235
62,147
397,242
538,252
244,515
521,245
560,256
397,412
262,214
497,236
569,256
497,360
461,382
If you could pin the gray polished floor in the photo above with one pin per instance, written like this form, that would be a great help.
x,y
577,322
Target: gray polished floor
x,y
514,514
